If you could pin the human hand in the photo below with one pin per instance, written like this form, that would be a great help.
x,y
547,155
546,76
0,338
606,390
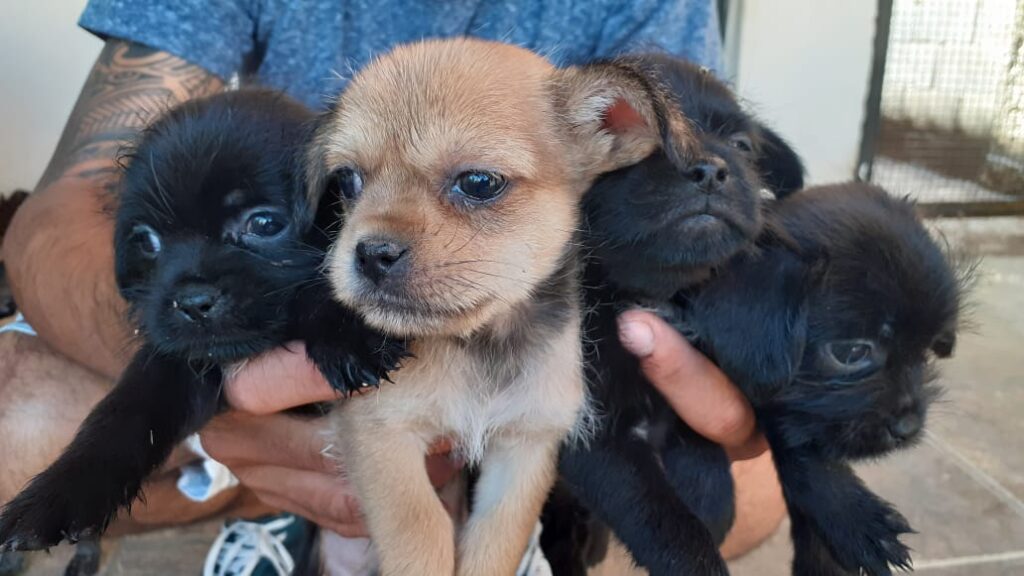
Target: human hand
x,y
281,457
695,388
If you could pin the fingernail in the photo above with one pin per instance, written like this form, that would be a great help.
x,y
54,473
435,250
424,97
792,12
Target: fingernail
x,y
637,337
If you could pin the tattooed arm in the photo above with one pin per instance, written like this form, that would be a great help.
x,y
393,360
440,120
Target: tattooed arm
x,y
59,250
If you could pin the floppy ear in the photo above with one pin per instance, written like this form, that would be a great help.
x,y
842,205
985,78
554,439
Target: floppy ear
x,y
752,320
123,274
618,114
779,165
312,168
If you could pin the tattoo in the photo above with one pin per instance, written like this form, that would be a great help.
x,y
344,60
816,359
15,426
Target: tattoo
x,y
129,85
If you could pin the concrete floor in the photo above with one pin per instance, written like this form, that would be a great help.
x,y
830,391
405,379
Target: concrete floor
x,y
962,489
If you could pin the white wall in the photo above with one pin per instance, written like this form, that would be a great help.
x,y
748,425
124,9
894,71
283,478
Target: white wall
x,y
44,59
804,67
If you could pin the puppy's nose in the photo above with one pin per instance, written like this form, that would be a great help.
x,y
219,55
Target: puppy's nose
x,y
198,302
709,174
376,258
906,426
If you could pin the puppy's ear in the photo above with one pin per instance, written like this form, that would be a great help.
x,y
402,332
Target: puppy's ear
x,y
780,166
314,161
127,274
618,114
123,274
753,320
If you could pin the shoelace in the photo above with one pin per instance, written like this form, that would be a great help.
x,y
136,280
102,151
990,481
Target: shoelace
x,y
252,542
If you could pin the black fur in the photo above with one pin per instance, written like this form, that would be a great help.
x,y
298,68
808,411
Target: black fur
x,y
862,272
716,114
216,184
8,206
7,305
653,229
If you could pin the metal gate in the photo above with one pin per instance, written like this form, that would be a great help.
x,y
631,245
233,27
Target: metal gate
x,y
945,118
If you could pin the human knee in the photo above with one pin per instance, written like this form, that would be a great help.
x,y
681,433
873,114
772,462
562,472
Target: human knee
x,y
43,399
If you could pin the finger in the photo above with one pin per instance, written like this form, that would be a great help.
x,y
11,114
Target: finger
x,y
695,388
275,439
327,496
349,530
277,380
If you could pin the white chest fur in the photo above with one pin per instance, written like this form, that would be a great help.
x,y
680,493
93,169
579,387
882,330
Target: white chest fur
x,y
453,390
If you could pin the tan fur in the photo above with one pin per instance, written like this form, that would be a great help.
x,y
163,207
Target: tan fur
x,y
511,431
490,293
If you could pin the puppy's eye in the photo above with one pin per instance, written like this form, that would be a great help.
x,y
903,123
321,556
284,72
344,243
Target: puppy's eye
x,y
850,353
264,224
146,240
849,356
479,186
741,141
346,183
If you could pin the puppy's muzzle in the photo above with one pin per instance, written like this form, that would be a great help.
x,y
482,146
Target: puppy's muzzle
x,y
381,260
906,426
709,174
199,303
907,420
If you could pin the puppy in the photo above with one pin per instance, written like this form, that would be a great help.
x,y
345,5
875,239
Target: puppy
x,y
461,164
651,230
832,343
217,256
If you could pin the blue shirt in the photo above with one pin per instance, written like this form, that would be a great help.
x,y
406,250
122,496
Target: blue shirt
x,y
309,48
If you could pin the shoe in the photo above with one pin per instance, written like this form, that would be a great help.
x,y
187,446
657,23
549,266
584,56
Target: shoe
x,y
267,546
11,563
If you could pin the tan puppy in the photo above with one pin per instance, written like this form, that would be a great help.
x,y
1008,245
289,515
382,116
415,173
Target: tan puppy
x,y
460,165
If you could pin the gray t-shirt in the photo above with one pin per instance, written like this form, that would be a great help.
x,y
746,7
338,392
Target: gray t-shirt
x,y
309,48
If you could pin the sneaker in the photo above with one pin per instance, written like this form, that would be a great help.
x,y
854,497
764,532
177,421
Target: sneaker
x,y
267,546
11,563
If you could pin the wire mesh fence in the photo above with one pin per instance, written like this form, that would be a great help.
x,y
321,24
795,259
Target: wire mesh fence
x,y
950,112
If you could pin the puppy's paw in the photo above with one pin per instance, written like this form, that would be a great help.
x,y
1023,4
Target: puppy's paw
x,y
86,561
713,567
57,506
341,370
356,359
872,545
355,365
386,355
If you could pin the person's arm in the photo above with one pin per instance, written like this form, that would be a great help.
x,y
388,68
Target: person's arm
x,y
58,250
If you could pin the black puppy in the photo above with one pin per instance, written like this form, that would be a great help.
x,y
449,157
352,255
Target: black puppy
x,y
831,340
218,256
653,229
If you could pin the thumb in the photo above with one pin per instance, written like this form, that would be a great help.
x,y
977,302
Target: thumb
x,y
693,386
